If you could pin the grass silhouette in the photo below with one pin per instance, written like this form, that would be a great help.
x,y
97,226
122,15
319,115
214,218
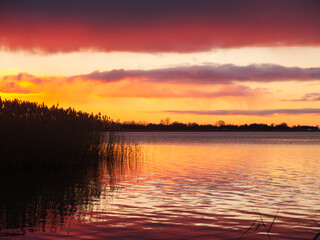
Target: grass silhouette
x,y
318,234
35,135
261,223
258,223
47,200
54,162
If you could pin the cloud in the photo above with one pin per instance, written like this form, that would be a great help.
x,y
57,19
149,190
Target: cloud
x,y
269,112
210,74
312,97
112,87
20,83
207,81
22,77
156,91
157,26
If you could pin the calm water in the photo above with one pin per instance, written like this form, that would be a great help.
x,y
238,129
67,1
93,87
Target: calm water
x,y
184,186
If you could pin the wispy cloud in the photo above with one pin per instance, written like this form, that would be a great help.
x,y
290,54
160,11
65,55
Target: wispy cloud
x,y
205,81
312,97
26,83
268,112
156,91
210,74
157,26
20,83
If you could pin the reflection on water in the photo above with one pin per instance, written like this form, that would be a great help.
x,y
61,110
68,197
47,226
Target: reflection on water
x,y
292,138
47,200
188,188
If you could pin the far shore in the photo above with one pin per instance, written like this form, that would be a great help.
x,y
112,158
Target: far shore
x,y
194,127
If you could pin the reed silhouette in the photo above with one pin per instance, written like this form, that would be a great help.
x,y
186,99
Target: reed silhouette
x,y
34,135
55,162
33,200
256,224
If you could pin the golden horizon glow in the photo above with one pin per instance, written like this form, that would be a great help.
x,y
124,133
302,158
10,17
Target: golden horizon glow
x,y
46,78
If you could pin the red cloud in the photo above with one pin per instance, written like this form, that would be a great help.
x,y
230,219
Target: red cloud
x,y
157,26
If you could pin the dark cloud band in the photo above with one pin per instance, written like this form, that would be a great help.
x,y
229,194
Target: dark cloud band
x,y
158,25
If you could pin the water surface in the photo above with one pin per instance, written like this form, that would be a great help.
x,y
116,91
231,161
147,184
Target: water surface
x,y
192,186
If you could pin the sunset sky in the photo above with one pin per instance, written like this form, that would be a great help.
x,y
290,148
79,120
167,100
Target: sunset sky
x,y
241,61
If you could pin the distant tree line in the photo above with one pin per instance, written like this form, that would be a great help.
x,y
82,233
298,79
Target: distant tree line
x,y
166,125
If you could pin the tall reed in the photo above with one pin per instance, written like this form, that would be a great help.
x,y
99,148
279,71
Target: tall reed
x,y
47,200
35,135
61,159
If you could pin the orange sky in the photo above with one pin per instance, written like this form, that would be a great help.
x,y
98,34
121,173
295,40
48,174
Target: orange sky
x,y
208,62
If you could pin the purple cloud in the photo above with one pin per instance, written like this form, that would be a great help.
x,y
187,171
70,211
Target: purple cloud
x,y
268,112
155,91
307,97
211,74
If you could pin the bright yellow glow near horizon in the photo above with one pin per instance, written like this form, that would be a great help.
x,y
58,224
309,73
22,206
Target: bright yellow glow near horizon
x,y
144,110
122,100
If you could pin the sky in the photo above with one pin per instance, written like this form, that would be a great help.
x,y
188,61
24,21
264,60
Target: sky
x,y
241,61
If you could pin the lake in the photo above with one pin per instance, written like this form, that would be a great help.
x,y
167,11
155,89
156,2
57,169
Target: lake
x,y
210,185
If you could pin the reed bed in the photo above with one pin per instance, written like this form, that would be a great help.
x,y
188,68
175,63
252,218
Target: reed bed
x,y
35,135
122,156
47,200
55,162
